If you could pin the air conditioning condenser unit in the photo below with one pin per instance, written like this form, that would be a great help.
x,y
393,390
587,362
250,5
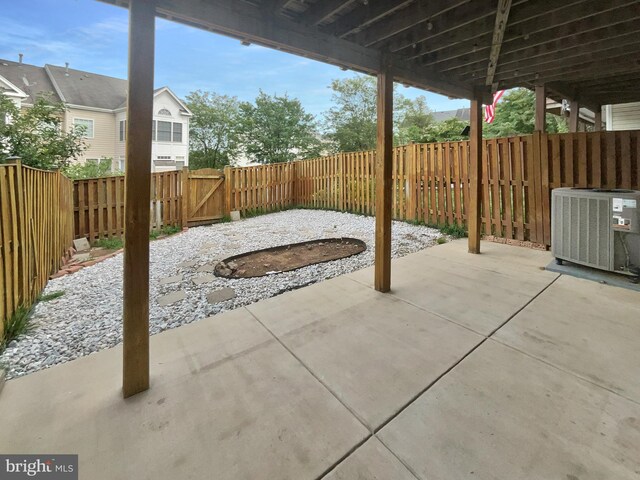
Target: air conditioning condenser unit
x,y
599,228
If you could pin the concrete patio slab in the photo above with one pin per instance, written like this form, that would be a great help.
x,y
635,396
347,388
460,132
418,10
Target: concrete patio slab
x,y
227,402
501,414
478,298
361,349
372,461
586,328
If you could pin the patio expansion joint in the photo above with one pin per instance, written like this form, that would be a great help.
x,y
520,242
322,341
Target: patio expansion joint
x,y
563,370
484,339
312,373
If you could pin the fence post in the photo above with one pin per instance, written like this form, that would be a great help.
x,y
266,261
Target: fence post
x,y
343,182
227,190
184,207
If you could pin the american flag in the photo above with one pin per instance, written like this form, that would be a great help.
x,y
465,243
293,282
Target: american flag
x,y
490,110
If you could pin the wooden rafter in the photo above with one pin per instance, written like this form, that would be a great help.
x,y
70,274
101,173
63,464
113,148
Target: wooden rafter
x,y
320,11
453,20
574,45
413,16
502,17
365,15
527,29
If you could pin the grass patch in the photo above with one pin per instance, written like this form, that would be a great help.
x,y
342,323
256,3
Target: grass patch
x,y
455,231
114,243
166,231
15,326
50,296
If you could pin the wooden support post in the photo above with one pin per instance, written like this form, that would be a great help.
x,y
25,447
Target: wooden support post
x,y
185,197
541,107
384,163
574,114
135,314
227,191
475,176
597,119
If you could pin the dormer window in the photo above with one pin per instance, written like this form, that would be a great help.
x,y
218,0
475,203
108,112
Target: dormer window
x,y
164,112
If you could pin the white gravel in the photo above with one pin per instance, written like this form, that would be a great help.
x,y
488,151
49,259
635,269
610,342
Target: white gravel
x,y
88,317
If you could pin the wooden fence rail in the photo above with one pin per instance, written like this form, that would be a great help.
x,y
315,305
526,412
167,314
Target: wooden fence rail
x,y
431,181
99,205
36,229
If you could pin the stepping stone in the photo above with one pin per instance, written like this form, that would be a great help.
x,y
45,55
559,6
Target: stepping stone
x,y
189,263
171,298
206,268
221,295
168,280
81,244
235,215
203,279
81,257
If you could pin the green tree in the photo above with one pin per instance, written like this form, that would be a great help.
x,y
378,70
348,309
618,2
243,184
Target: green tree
x,y
277,129
515,115
213,129
446,131
414,121
101,168
37,136
351,122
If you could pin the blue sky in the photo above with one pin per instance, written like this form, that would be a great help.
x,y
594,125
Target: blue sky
x,y
92,36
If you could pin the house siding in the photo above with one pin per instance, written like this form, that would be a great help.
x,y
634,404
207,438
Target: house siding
x,y
103,143
624,116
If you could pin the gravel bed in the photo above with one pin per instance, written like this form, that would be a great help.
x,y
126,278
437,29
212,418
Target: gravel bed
x,y
88,317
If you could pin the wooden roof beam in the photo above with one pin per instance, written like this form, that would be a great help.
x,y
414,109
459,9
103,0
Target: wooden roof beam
x,y
414,16
630,47
502,17
560,23
322,10
571,46
365,15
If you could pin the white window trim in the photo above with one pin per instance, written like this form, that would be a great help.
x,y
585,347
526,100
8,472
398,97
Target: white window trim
x,y
93,126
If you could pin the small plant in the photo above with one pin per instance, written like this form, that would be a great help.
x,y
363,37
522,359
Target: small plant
x,y
225,219
441,240
455,231
15,326
170,230
114,243
51,296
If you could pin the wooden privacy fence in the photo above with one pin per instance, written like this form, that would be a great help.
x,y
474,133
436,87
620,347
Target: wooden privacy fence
x,y
431,181
36,229
99,205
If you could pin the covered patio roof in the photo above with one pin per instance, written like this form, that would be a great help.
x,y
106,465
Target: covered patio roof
x,y
584,50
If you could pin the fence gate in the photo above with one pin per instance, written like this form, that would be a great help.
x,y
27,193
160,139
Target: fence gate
x,y
205,196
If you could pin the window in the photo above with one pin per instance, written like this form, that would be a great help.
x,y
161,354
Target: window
x,y
177,132
179,164
164,112
93,161
123,130
86,124
164,157
164,131
121,164
153,131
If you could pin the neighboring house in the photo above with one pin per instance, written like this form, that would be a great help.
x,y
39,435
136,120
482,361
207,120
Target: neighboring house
x,y
98,103
461,114
622,116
